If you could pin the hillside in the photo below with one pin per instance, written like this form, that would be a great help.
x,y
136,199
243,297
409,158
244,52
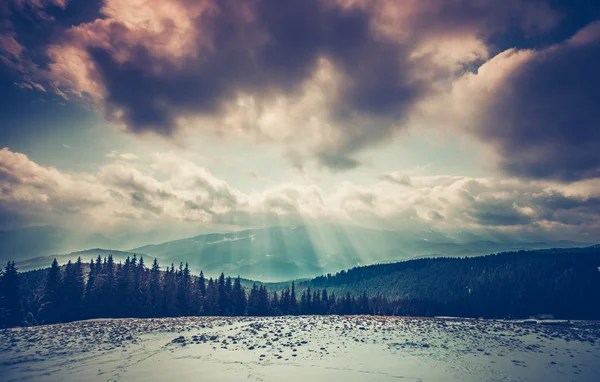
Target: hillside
x,y
564,282
27,243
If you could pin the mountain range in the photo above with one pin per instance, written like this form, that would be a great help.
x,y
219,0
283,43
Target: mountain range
x,y
266,254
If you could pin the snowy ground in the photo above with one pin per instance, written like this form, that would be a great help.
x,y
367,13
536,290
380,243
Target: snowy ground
x,y
292,349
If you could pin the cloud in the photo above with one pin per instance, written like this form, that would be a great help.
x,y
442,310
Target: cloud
x,y
397,178
537,109
43,194
128,156
175,191
149,69
325,79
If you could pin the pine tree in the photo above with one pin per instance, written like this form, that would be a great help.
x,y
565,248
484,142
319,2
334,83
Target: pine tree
x,y
293,302
156,289
201,293
316,303
363,305
109,287
79,287
275,304
10,296
222,299
72,292
228,298
99,268
253,308
211,300
170,293
202,284
184,290
142,289
49,312
324,302
239,298
284,301
263,302
90,292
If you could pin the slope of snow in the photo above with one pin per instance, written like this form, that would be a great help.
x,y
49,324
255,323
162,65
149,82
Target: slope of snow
x,y
332,348
229,239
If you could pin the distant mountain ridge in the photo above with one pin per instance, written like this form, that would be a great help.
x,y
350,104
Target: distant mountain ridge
x,y
268,254
42,262
284,253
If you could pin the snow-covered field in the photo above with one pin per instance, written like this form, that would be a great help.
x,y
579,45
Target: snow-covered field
x,y
327,348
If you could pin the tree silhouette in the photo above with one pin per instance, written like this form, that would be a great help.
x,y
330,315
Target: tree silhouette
x,y
11,314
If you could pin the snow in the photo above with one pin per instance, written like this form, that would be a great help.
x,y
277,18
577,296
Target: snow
x,y
230,239
317,348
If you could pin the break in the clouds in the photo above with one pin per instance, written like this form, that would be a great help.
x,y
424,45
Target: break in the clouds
x,y
176,191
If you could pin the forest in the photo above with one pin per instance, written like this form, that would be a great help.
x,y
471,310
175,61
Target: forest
x,y
519,284
562,282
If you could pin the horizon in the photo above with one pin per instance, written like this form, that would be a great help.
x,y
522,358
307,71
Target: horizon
x,y
120,255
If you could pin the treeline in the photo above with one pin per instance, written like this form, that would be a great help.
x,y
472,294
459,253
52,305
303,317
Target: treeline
x,y
105,289
562,282
519,284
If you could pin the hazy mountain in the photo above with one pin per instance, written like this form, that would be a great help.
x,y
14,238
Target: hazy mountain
x,y
28,243
45,261
33,242
268,254
283,253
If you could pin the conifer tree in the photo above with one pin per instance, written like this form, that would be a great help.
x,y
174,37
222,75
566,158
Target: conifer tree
x,y
156,299
263,301
238,298
72,291
228,297
211,300
222,293
253,308
89,298
293,303
202,284
142,289
10,296
49,312
184,290
108,291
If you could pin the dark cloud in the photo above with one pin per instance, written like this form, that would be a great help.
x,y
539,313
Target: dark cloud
x,y
275,51
545,119
434,215
570,210
185,58
141,200
498,213
398,178
272,47
35,24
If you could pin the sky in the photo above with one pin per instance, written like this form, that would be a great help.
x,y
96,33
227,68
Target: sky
x,y
189,116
